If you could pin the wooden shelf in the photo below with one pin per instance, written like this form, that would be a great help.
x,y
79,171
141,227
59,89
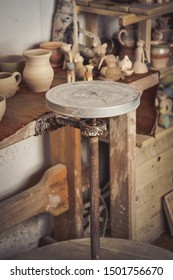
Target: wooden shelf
x,y
127,13
23,110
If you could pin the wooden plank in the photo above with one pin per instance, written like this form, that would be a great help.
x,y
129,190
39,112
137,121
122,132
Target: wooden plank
x,y
148,211
49,195
21,134
151,9
122,143
65,147
101,4
119,7
127,19
153,149
148,232
109,5
144,140
83,2
157,165
144,82
157,188
97,11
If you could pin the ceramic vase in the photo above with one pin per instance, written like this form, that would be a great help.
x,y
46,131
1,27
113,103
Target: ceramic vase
x,y
38,73
160,54
57,56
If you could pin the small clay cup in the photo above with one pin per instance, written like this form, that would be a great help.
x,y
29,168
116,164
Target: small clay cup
x,y
9,83
2,106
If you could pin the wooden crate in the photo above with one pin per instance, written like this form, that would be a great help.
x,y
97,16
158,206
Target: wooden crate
x,y
154,178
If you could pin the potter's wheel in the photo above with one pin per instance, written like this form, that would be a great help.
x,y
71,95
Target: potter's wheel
x,y
93,99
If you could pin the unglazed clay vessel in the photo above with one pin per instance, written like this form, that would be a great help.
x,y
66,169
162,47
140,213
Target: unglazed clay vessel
x,y
160,54
12,63
57,56
38,73
9,83
2,106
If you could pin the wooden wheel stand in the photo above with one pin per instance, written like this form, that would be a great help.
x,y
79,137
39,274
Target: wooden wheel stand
x,y
83,105
90,101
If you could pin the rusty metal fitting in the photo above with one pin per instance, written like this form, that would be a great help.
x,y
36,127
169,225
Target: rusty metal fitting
x,y
93,128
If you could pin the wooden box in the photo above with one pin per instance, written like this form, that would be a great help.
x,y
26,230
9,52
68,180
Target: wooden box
x,y
154,179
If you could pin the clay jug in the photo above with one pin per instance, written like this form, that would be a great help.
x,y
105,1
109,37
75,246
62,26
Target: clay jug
x,y
126,37
127,40
38,73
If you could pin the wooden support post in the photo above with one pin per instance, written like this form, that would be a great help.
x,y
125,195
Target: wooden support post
x,y
65,147
122,175
90,25
144,33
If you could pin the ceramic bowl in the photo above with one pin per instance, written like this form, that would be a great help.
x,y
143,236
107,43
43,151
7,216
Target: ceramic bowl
x,y
12,63
2,106
57,56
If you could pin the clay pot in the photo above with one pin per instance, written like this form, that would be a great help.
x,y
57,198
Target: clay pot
x,y
2,106
57,56
12,63
160,54
38,73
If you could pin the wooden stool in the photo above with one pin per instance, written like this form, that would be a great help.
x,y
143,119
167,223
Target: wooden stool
x,y
87,103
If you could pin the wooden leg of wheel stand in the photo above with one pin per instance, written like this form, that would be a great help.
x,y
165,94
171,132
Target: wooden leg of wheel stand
x,y
69,225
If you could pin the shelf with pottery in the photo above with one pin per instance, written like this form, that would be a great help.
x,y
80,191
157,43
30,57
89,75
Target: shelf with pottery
x,y
127,13
26,107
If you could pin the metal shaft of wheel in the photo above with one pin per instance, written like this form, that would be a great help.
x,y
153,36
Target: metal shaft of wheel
x,y
94,198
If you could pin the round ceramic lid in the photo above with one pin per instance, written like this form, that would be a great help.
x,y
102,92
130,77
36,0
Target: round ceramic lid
x,y
93,99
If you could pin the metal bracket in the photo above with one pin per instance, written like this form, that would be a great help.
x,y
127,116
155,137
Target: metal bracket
x,y
93,127
53,121
45,124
